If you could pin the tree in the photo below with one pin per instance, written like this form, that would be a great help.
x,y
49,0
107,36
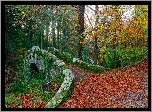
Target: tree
x,y
58,27
47,26
96,37
138,27
16,27
109,29
31,22
80,30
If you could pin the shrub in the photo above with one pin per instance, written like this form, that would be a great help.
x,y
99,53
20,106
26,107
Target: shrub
x,y
75,61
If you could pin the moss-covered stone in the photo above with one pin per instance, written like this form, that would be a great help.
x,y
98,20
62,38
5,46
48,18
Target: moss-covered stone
x,y
65,87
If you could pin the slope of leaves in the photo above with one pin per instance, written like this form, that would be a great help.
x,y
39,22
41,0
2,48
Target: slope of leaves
x,y
125,88
30,99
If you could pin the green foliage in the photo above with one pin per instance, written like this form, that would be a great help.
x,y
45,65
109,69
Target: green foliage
x,y
109,58
47,95
15,34
67,94
85,54
18,87
57,78
69,58
130,56
18,102
9,98
17,64
62,55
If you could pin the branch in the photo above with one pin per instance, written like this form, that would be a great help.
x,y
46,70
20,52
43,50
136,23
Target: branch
x,y
90,8
89,19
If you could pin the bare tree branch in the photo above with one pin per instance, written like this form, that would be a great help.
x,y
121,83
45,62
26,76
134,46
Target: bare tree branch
x,y
89,19
90,8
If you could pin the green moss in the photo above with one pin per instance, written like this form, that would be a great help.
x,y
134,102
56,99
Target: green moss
x,y
9,99
67,94
69,58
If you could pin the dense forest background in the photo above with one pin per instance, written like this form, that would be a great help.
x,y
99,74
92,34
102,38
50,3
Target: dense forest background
x,y
95,34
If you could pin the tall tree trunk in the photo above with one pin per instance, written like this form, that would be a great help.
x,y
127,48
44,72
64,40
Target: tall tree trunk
x,y
80,30
30,23
47,27
53,34
41,30
114,48
58,28
41,38
53,21
47,32
58,35
95,38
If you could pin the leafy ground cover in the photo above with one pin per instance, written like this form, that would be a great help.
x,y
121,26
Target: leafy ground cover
x,y
120,88
33,98
125,88
22,94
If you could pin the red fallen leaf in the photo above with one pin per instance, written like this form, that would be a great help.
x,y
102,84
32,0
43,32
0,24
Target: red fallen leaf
x,y
20,106
119,95
146,99
72,106
115,105
146,93
134,88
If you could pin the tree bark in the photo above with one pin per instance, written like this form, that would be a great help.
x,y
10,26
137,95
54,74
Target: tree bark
x,y
41,38
53,34
95,38
80,30
58,31
58,35
114,48
53,29
30,23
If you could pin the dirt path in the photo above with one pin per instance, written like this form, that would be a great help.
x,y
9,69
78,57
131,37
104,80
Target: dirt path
x,y
126,88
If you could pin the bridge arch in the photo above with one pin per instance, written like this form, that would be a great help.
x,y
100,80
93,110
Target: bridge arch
x,y
41,58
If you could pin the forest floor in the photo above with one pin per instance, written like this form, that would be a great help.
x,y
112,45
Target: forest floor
x,y
125,88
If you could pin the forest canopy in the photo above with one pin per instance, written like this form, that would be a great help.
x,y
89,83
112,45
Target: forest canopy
x,y
86,32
